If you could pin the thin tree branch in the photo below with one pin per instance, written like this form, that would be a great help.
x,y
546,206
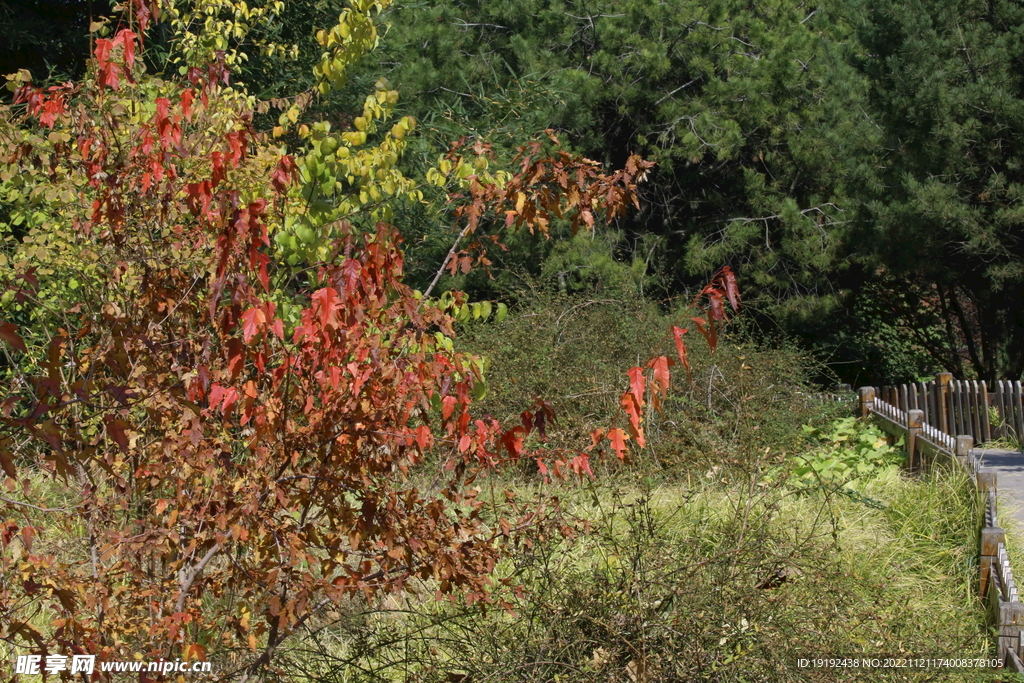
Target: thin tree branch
x,y
187,581
444,264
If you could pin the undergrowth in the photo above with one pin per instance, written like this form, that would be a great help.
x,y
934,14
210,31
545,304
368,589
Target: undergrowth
x,y
737,542
699,582
758,527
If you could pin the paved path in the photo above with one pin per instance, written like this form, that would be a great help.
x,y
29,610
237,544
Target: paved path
x,y
1009,480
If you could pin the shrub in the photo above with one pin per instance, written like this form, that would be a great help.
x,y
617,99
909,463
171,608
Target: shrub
x,y
574,352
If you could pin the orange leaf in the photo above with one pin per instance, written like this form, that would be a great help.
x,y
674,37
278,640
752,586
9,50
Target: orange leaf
x,y
581,465
628,402
717,312
236,357
230,397
636,385
278,328
618,439
325,305
709,332
423,437
187,97
252,322
447,406
731,290
681,349
629,405
513,440
7,462
660,366
115,430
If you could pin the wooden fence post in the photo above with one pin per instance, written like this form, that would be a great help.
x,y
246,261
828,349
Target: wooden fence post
x,y
991,537
986,480
942,401
867,397
915,418
1011,619
964,444
991,534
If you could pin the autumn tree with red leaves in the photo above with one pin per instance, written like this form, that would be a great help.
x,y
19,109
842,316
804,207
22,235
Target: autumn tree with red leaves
x,y
199,454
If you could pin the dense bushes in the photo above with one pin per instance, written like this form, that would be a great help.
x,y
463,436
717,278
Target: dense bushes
x,y
574,352
697,582
708,557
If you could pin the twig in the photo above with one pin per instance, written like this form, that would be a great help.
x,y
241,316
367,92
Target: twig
x,y
188,580
444,264
36,507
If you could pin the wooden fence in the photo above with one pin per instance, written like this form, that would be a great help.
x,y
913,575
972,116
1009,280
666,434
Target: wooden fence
x,y
956,407
928,445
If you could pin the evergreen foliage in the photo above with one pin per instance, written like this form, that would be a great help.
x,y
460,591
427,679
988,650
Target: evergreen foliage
x,y
854,161
945,222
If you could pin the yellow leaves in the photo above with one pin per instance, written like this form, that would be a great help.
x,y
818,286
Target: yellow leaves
x,y
17,79
205,26
520,202
404,125
444,342
385,98
351,171
353,138
353,36
435,177
57,137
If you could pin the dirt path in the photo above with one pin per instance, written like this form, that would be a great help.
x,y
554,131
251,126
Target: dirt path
x,y
1009,480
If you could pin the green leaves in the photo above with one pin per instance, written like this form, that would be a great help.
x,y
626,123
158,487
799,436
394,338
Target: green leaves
x,y
851,449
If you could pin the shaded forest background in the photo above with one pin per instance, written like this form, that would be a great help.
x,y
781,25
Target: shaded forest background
x,y
856,162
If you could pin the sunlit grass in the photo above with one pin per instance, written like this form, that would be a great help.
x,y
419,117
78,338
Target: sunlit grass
x,y
700,581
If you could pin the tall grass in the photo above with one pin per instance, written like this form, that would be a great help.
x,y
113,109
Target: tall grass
x,y
696,560
700,582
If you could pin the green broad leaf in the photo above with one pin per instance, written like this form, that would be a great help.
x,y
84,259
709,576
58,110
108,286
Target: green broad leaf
x,y
479,390
305,234
502,312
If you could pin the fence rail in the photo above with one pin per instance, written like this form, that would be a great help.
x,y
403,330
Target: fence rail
x,y
955,407
928,444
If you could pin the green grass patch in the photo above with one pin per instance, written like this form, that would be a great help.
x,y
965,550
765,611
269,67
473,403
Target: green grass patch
x,y
699,582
